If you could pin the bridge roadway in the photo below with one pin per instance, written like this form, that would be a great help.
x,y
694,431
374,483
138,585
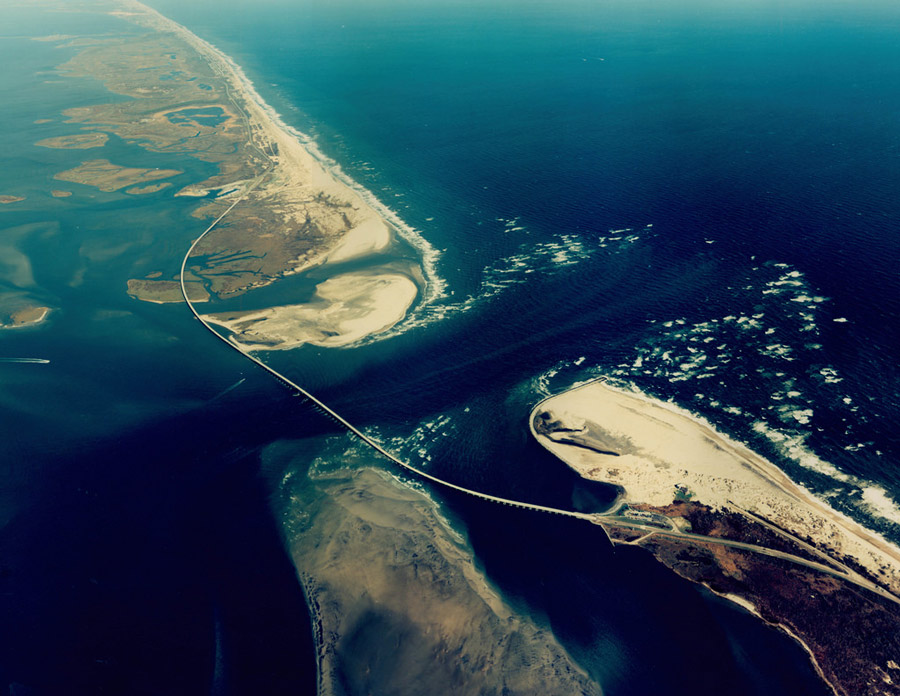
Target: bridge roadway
x,y
340,420
600,519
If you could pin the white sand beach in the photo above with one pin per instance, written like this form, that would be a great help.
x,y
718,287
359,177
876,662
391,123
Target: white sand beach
x,y
346,308
369,237
297,185
661,447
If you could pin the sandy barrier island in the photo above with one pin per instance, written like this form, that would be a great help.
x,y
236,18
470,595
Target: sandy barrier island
x,y
656,453
719,514
297,210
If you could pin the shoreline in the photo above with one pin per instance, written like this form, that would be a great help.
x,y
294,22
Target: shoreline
x,y
283,134
345,310
751,609
677,498
865,545
30,323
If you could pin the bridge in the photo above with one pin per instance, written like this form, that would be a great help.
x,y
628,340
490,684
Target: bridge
x,y
601,519
336,417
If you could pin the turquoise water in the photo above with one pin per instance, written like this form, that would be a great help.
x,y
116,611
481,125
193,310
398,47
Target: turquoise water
x,y
699,200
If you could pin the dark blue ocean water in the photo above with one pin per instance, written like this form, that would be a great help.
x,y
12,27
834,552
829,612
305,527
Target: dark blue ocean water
x,y
747,156
697,200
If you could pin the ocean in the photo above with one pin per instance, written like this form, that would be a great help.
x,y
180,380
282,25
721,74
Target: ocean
x,y
697,200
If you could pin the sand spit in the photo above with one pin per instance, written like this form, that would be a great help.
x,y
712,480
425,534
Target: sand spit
x,y
345,309
664,452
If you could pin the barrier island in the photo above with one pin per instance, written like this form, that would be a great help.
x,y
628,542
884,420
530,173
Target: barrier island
x,y
719,514
185,97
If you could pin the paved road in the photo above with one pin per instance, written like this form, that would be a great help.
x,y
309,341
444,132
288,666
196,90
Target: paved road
x,y
843,574
600,519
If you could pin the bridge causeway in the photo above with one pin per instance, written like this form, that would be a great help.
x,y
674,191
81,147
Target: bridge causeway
x,y
336,417
599,519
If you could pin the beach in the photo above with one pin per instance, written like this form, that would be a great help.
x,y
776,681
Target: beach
x,y
664,453
294,212
345,309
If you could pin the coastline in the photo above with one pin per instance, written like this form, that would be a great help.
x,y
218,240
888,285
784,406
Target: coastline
x,y
345,309
299,210
720,515
458,438
28,318
434,287
751,608
750,475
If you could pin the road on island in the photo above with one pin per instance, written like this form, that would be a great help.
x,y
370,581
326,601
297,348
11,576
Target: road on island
x,y
603,520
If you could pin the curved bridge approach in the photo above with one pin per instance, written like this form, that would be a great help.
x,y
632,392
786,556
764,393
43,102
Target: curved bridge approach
x,y
601,519
336,417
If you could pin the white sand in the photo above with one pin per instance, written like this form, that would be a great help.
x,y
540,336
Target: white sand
x,y
369,237
297,185
662,447
345,309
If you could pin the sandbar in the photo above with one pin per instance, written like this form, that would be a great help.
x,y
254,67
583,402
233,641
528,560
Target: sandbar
x,y
6,199
345,309
398,602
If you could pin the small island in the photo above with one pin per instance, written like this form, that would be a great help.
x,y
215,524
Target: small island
x,y
165,291
30,315
78,141
719,514
106,176
149,188
6,199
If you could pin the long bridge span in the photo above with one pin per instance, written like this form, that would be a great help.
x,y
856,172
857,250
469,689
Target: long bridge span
x,y
340,420
599,519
